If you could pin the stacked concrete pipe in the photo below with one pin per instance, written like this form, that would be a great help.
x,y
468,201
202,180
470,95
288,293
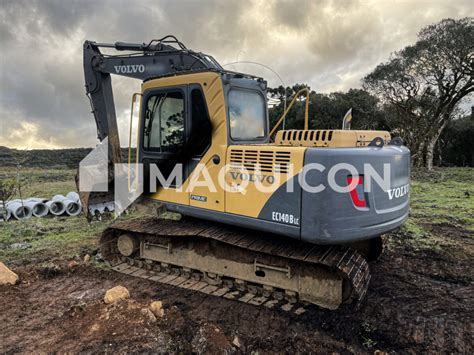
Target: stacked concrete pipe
x,y
71,207
5,214
56,208
105,207
38,206
74,196
18,209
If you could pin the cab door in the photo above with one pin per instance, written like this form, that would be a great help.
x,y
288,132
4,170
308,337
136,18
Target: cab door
x,y
208,150
163,138
176,133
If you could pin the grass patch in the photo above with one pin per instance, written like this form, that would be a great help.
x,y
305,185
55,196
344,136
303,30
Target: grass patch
x,y
41,182
49,237
442,197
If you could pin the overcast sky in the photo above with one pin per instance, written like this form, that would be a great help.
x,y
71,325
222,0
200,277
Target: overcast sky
x,y
330,45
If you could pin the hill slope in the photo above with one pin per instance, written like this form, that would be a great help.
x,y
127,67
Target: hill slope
x,y
46,158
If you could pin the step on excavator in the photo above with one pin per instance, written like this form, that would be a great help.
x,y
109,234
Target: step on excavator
x,y
281,245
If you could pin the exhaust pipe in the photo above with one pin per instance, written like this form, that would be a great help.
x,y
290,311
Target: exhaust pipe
x,y
19,210
72,208
56,208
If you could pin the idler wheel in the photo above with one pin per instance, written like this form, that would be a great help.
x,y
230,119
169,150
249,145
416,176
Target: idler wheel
x,y
127,244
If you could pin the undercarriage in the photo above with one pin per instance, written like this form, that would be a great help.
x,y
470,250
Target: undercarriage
x,y
252,267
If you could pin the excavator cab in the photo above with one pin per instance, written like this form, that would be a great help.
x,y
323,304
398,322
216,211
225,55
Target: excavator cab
x,y
176,128
188,121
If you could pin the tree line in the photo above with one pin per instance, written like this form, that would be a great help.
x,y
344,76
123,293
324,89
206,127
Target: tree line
x,y
422,93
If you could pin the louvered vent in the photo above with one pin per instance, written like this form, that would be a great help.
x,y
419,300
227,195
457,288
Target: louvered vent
x,y
267,161
323,138
307,138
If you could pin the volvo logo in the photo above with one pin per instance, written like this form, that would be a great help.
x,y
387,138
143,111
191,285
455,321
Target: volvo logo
x,y
398,191
252,177
129,69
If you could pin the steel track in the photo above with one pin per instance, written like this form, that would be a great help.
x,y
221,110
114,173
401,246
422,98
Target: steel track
x,y
344,261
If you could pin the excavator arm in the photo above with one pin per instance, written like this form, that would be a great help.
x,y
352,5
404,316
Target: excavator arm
x,y
160,57
144,61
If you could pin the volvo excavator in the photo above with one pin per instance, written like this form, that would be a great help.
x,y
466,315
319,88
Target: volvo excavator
x,y
283,245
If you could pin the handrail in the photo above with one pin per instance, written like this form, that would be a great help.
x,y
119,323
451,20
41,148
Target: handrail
x,y
134,96
289,108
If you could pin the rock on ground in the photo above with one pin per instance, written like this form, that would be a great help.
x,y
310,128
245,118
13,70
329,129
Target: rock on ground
x,y
157,308
236,342
149,314
115,294
7,276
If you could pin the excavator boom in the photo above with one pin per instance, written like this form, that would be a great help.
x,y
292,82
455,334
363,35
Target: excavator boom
x,y
146,61
161,57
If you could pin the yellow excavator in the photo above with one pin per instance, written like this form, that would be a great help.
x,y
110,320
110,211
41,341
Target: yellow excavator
x,y
269,232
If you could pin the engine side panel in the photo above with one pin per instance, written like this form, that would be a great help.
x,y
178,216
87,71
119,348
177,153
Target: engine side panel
x,y
257,174
330,217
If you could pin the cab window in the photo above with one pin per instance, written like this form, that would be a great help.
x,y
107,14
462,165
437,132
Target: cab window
x,y
164,122
246,114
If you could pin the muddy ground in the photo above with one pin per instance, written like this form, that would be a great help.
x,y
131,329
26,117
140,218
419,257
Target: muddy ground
x,y
418,300
421,296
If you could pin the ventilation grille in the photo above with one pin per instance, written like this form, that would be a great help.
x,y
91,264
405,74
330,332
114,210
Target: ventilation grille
x,y
299,137
328,138
319,135
265,161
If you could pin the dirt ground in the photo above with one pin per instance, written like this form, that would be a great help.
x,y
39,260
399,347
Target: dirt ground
x,y
418,300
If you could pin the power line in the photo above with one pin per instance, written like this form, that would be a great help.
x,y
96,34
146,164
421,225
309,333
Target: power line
x,y
273,71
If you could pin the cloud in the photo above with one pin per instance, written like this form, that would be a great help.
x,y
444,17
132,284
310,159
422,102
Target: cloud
x,y
328,44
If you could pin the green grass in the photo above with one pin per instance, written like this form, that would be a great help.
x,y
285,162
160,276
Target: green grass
x,y
52,237
49,237
56,237
41,182
441,198
444,196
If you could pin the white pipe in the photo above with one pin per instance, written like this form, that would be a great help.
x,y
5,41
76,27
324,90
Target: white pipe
x,y
18,209
5,213
73,195
36,205
72,208
38,208
103,208
37,199
56,208
109,207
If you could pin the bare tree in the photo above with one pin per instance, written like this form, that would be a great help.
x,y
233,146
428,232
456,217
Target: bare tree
x,y
7,190
424,84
